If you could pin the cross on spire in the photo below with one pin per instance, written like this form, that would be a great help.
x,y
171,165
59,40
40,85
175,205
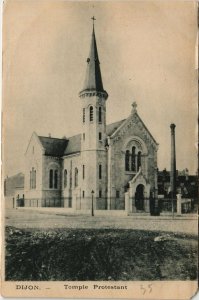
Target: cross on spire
x,y
93,18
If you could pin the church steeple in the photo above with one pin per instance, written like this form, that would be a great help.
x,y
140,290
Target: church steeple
x,y
93,80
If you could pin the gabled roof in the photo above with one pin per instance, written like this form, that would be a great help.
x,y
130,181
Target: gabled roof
x,y
147,129
111,128
74,145
53,146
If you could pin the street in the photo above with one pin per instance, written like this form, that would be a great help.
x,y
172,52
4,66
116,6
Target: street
x,y
44,219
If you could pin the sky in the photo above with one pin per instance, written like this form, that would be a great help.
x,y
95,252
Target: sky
x,y
147,54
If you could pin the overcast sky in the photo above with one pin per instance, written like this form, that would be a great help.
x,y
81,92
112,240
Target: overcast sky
x,y
146,50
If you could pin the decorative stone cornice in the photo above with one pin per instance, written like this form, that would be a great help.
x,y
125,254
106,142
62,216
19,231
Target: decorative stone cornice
x,y
87,93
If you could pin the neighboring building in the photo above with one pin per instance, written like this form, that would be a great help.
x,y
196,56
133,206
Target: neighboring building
x,y
186,184
13,189
109,160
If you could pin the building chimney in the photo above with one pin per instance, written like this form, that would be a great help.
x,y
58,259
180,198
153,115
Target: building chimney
x,y
173,162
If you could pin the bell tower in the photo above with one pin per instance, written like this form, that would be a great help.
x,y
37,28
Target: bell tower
x,y
93,102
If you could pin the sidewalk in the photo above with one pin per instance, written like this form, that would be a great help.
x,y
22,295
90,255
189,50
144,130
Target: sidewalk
x,y
111,213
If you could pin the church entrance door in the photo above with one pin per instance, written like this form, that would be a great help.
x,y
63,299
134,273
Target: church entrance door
x,y
139,197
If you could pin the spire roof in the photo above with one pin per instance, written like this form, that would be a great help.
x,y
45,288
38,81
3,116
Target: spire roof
x,y
93,80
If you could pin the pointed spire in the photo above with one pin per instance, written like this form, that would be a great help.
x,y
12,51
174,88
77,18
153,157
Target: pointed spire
x,y
93,80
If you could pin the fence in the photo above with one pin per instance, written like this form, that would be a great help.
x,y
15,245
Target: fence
x,y
113,203
188,205
78,203
100,203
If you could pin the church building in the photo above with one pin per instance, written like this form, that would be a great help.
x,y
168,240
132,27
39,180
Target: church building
x,y
109,167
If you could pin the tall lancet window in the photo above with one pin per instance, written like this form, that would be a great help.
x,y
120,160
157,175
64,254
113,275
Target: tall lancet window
x,y
127,160
76,177
91,113
100,171
51,179
65,178
56,179
83,115
33,179
71,179
139,160
133,161
35,176
100,115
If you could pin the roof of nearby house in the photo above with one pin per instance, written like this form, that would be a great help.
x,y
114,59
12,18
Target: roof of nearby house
x,y
10,183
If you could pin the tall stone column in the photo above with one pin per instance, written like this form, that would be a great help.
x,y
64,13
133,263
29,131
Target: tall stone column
x,y
173,165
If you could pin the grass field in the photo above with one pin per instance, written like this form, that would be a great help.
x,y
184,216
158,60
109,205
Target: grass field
x,y
99,254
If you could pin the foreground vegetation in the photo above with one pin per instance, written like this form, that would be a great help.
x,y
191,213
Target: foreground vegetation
x,y
104,254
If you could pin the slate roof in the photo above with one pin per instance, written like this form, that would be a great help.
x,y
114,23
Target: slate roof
x,y
93,80
74,145
60,147
53,146
113,127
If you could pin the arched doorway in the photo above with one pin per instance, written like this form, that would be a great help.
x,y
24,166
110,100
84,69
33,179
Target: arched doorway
x,y
139,197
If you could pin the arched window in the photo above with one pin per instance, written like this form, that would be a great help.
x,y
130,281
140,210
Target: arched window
x,y
139,160
83,171
91,113
133,161
100,171
51,179
76,177
33,179
55,179
83,193
127,160
100,115
65,178
83,115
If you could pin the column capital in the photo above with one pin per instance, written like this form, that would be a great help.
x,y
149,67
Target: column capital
x,y
172,126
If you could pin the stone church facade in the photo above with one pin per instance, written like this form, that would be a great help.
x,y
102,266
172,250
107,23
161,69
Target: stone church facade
x,y
112,166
